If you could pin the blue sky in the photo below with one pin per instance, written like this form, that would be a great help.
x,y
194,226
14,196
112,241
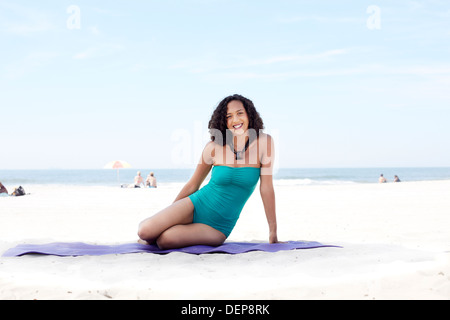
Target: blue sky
x,y
338,83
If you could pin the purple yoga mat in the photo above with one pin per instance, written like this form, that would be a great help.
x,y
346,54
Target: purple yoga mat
x,y
63,249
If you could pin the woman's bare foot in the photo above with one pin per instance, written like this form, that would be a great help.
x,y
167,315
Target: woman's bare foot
x,y
143,242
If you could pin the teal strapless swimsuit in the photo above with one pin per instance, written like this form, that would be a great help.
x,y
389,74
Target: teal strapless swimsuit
x,y
220,202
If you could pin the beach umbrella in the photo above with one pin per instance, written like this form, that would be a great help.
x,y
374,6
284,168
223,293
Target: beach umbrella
x,y
117,164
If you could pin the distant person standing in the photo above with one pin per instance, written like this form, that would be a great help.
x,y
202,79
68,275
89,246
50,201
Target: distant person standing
x,y
382,179
396,179
151,181
3,189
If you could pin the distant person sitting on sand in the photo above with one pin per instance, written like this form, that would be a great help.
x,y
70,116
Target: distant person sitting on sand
x,y
151,181
382,179
3,189
18,192
396,178
138,180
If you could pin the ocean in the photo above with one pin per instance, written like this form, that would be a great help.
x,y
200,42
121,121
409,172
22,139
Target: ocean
x,y
284,176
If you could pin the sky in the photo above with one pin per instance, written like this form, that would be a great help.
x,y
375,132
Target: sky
x,y
337,83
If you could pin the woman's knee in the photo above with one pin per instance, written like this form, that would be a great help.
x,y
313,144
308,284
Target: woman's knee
x,y
145,231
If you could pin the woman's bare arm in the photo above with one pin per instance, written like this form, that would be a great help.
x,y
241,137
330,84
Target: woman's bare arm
x,y
200,174
267,157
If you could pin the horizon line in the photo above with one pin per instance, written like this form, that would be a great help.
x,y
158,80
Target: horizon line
x,y
193,168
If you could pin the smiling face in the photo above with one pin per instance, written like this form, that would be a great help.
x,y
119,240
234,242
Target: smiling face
x,y
237,118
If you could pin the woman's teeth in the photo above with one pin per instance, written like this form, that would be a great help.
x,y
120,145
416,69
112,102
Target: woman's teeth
x,y
237,126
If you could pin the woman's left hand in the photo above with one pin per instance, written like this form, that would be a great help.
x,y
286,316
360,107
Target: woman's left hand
x,y
273,238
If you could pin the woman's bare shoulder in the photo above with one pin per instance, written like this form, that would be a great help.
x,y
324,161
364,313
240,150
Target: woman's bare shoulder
x,y
264,137
208,153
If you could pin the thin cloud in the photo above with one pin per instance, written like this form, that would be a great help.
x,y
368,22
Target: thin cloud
x,y
94,30
30,63
98,51
207,65
439,73
305,58
319,19
24,21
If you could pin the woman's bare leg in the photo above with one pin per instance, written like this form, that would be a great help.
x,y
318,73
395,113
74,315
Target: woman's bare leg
x,y
180,236
173,228
179,213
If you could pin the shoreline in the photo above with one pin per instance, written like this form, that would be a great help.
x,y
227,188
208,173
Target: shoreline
x,y
179,184
282,176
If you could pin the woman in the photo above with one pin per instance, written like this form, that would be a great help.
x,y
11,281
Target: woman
x,y
239,155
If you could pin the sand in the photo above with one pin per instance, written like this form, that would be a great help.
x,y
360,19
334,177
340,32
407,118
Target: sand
x,y
395,245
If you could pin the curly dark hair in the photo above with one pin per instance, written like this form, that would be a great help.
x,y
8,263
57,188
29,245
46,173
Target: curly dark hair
x,y
219,119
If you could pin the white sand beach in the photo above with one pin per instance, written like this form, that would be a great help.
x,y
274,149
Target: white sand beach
x,y
395,245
